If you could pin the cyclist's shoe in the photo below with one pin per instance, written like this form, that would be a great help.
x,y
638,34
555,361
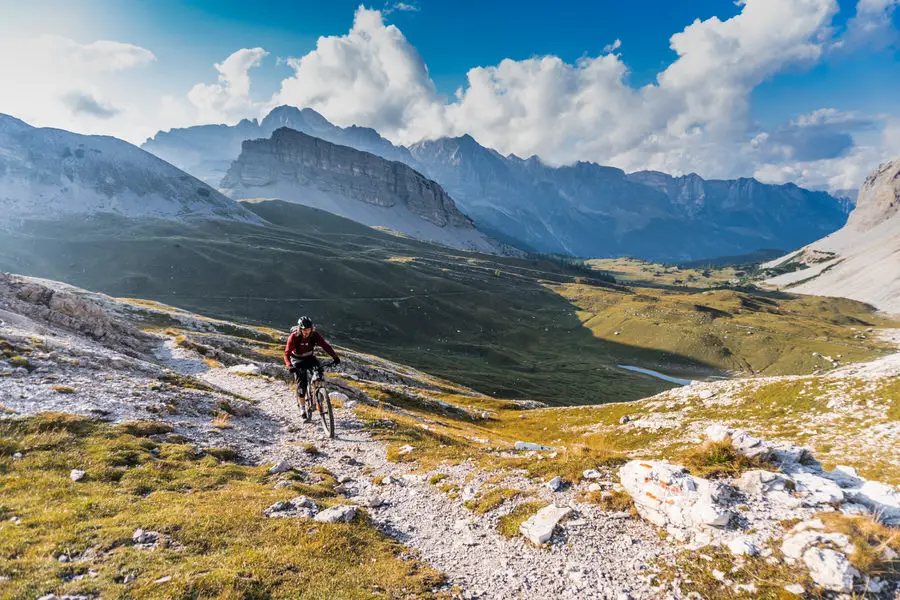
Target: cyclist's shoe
x,y
304,415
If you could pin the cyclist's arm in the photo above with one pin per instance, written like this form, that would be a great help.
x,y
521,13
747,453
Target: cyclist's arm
x,y
326,346
287,350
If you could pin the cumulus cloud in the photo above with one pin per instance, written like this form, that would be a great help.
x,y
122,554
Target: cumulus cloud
x,y
694,117
230,97
81,103
51,80
872,25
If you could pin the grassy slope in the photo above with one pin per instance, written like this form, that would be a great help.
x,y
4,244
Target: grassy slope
x,y
222,545
508,327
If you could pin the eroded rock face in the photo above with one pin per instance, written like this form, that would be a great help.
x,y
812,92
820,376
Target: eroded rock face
x,y
63,308
670,497
294,156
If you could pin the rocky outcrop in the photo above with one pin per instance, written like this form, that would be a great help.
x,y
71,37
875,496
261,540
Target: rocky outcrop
x,y
55,305
296,167
860,260
296,158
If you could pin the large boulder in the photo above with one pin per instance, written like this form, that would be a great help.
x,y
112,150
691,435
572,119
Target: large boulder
x,y
882,499
670,497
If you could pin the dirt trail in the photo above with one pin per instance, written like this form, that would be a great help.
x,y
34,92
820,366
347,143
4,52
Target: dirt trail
x,y
594,554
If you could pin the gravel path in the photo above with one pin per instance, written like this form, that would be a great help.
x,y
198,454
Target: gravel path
x,y
593,555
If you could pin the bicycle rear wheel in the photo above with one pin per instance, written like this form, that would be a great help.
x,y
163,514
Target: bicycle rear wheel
x,y
325,411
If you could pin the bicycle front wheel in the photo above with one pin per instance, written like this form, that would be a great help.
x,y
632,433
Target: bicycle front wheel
x,y
323,403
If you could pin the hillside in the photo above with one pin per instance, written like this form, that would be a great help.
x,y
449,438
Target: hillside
x,y
861,260
51,173
179,468
366,188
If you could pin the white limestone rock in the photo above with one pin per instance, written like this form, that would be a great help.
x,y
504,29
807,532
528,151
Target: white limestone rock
x,y
340,513
299,507
77,475
882,499
829,569
668,496
538,529
522,446
281,467
554,484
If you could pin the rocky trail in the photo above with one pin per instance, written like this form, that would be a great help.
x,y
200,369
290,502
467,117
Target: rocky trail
x,y
594,554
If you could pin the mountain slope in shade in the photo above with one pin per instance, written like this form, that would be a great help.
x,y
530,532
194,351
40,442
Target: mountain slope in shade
x,y
52,173
860,261
297,167
207,151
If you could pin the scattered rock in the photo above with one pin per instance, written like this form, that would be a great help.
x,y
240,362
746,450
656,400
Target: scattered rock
x,y
742,546
299,507
145,539
595,487
339,397
554,484
17,455
77,475
818,490
538,529
882,499
405,449
245,369
829,569
164,579
741,441
530,446
592,474
624,419
340,513
281,467
796,589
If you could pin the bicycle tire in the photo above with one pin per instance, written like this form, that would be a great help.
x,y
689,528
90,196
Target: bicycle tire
x,y
325,410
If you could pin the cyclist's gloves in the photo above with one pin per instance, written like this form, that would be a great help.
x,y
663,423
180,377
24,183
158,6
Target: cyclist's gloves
x,y
292,370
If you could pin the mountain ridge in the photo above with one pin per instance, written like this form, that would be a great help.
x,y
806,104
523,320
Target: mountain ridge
x,y
297,167
47,172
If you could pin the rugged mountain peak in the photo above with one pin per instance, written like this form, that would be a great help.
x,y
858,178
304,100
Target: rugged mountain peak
x,y
879,197
297,167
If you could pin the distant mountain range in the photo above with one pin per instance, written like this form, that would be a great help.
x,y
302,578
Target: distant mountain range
x,y
583,209
860,261
56,174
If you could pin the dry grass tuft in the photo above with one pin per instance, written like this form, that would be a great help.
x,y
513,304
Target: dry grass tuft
x,y
718,459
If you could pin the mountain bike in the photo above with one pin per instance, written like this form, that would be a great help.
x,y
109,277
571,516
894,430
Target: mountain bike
x,y
317,398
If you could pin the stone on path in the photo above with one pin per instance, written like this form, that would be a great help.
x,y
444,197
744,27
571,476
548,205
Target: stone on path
x,y
245,369
340,513
538,529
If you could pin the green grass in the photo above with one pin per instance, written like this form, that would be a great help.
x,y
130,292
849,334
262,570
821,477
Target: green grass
x,y
223,547
491,500
509,327
718,459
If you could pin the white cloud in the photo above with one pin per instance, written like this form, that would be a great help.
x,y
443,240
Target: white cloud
x,y
402,7
610,48
230,97
693,118
872,25
55,81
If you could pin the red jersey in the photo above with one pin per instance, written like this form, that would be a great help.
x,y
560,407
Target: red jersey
x,y
304,348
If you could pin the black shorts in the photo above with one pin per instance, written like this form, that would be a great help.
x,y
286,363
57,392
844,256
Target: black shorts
x,y
302,366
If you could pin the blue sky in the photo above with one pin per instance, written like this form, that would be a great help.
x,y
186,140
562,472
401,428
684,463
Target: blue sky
x,y
838,80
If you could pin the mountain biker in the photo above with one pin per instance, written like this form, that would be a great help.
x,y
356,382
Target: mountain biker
x,y
299,355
